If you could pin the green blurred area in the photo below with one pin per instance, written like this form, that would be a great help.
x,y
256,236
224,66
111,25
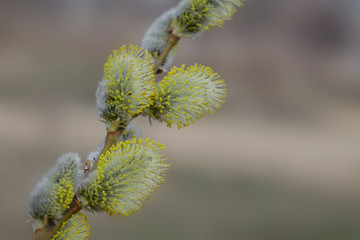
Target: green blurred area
x,y
280,160
192,204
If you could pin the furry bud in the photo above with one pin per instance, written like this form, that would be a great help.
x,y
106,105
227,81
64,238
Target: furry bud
x,y
54,193
125,177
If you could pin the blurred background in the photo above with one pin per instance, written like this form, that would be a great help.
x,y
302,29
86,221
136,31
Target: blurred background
x,y
279,161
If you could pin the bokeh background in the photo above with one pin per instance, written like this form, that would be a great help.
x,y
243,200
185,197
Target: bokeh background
x,y
279,161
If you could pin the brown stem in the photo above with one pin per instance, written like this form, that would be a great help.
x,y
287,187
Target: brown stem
x,y
113,134
172,41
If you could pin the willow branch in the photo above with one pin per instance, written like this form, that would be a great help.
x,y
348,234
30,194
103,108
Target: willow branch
x,y
172,41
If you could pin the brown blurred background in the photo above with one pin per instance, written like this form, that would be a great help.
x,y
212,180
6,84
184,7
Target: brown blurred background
x,y
279,161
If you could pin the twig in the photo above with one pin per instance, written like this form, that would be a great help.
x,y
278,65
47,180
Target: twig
x,y
172,41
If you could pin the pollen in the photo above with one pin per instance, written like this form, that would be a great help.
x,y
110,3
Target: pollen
x,y
77,227
52,196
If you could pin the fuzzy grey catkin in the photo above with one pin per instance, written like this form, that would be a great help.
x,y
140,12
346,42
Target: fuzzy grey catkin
x,y
53,194
195,16
157,36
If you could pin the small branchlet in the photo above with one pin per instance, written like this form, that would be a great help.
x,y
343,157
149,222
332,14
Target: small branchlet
x,y
129,133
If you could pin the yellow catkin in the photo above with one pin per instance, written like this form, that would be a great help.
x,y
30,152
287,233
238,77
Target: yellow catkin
x,y
132,171
194,16
76,227
185,95
129,82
